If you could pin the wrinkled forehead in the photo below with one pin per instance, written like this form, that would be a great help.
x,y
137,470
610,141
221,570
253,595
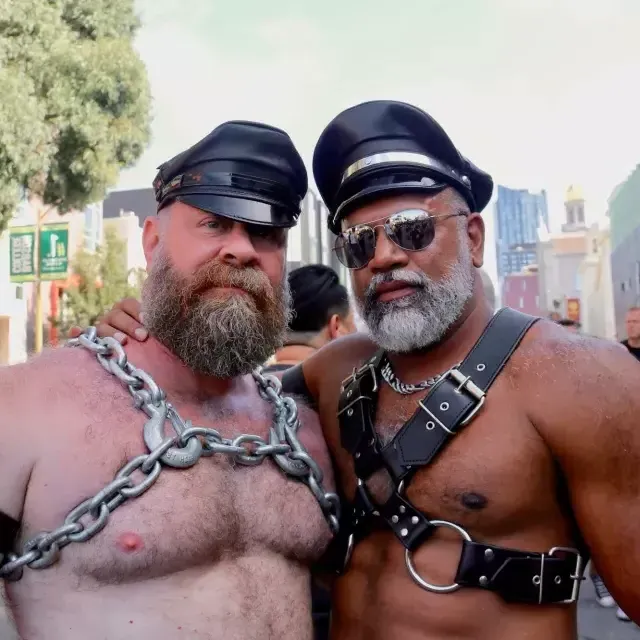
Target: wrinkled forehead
x,y
633,315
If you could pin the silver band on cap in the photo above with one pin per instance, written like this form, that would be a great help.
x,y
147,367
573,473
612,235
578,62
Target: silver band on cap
x,y
402,157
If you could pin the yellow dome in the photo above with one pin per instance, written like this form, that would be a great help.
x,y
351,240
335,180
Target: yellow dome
x,y
574,192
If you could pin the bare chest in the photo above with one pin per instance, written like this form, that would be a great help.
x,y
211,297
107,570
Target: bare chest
x,y
191,517
494,476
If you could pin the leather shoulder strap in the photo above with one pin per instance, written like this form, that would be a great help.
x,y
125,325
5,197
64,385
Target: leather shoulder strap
x,y
458,396
8,533
356,414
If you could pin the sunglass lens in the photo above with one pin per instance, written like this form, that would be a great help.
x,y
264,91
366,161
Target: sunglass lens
x,y
355,248
411,230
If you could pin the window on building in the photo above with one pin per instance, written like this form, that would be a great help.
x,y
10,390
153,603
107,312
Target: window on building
x,y
19,292
623,286
92,226
522,303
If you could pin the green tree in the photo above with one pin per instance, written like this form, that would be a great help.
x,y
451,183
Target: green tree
x,y
100,280
75,105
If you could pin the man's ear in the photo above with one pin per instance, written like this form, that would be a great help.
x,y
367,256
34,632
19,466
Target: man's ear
x,y
475,233
150,237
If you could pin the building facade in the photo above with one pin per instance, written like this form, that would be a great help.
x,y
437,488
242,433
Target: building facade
x,y
518,216
559,261
596,295
520,291
624,215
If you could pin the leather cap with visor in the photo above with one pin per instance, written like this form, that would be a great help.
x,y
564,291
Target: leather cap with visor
x,y
385,148
246,171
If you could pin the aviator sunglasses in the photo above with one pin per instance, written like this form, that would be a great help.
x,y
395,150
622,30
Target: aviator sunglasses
x,y
411,230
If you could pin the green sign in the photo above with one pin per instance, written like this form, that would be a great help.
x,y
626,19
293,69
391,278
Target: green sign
x,y
54,251
22,245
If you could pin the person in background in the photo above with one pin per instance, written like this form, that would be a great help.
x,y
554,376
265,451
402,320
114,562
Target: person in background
x,y
632,343
321,314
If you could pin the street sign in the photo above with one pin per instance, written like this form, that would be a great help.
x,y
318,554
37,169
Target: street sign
x,y
54,251
22,243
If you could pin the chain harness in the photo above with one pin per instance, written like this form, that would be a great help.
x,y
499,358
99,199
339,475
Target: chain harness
x,y
449,406
182,450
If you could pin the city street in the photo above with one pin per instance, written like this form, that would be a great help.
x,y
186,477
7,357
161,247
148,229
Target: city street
x,y
596,623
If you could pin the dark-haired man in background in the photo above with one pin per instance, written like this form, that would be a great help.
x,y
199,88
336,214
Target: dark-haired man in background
x,y
321,313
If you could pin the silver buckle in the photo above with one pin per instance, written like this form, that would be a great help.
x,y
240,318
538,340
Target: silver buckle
x,y
356,372
470,387
577,576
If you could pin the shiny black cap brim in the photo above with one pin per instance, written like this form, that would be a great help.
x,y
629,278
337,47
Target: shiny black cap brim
x,y
242,209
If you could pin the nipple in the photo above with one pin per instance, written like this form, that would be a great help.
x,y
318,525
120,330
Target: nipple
x,y
129,542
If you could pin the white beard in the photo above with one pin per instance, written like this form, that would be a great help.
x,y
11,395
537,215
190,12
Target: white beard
x,y
422,319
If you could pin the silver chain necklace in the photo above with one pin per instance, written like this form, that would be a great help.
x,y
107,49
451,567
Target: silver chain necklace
x,y
404,388
181,450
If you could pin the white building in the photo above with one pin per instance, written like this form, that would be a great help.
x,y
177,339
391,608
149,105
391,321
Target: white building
x,y
596,296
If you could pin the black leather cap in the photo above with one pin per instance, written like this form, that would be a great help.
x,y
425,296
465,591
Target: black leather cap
x,y
383,148
247,171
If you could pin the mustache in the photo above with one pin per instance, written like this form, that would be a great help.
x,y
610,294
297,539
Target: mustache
x,y
215,275
397,275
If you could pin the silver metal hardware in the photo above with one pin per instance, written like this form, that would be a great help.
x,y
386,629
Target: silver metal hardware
x,y
408,557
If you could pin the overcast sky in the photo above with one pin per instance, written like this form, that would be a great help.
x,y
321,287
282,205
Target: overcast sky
x,y
540,93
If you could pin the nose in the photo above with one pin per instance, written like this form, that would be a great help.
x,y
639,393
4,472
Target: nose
x,y
388,255
238,249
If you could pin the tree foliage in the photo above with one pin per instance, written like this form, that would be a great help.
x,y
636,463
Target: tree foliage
x,y
100,279
75,108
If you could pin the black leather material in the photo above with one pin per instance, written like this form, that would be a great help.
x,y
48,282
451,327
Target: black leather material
x,y
519,576
294,383
8,533
456,395
408,524
356,412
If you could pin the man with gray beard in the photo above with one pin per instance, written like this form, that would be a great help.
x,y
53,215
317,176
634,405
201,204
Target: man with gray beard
x,y
482,457
116,524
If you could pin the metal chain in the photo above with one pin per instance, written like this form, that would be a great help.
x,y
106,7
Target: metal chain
x,y
182,450
404,388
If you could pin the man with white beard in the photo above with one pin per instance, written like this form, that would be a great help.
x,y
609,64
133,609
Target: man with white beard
x,y
484,457
120,526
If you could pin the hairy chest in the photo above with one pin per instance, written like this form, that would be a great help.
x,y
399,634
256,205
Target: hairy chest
x,y
191,517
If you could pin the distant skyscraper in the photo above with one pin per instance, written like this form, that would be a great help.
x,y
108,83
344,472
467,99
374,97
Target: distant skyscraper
x,y
518,215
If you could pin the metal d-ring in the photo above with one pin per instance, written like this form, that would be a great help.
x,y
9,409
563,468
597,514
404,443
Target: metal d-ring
x,y
408,558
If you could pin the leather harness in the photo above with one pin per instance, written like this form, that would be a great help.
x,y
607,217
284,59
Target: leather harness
x,y
449,406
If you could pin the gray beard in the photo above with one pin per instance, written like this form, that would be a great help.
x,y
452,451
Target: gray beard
x,y
420,320
220,337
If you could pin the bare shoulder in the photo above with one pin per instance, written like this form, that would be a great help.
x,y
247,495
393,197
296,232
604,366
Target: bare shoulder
x,y
336,360
577,390
45,377
28,391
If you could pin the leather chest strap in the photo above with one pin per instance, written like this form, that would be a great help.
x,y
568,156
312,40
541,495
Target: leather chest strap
x,y
520,576
456,398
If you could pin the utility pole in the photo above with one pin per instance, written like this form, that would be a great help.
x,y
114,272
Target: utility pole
x,y
38,310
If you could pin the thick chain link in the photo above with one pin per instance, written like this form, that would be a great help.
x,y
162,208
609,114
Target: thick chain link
x,y
182,450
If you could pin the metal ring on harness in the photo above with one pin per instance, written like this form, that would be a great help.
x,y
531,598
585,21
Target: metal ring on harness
x,y
408,558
